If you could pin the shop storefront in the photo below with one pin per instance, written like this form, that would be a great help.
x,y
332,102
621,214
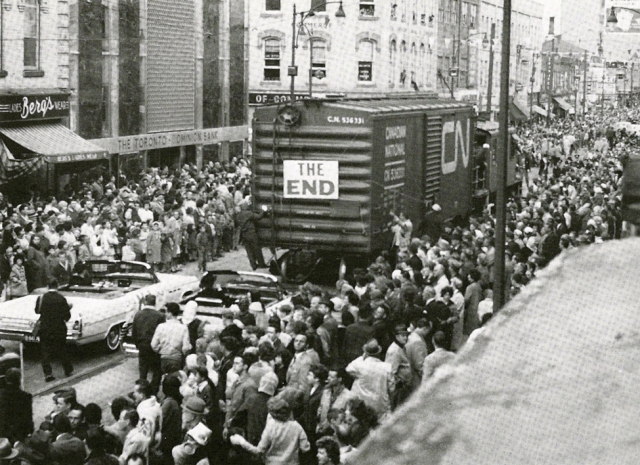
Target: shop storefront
x,y
132,154
33,127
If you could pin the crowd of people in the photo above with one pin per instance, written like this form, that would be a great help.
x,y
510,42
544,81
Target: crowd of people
x,y
310,381
165,218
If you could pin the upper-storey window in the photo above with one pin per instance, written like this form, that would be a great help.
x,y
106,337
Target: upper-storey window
x,y
272,5
367,8
272,60
31,34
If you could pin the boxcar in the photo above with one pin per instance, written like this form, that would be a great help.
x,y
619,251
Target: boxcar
x,y
333,174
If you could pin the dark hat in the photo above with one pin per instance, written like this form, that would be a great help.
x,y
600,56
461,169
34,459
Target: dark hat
x,y
196,406
372,347
68,394
6,451
36,447
400,328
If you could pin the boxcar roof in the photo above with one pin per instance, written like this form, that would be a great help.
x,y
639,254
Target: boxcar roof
x,y
398,105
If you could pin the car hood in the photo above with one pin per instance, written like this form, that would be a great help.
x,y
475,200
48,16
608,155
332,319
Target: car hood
x,y
24,307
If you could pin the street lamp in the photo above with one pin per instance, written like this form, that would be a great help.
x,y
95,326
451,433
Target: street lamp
x,y
612,19
293,69
534,57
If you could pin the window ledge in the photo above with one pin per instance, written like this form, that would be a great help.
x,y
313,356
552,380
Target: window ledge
x,y
270,83
3,74
33,73
368,18
366,84
271,14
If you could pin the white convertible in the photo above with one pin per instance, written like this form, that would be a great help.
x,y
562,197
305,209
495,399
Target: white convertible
x,y
104,297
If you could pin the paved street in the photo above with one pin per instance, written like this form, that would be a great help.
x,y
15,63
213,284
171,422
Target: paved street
x,y
100,376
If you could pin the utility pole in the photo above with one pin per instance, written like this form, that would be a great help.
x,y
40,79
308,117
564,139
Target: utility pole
x,y
500,284
550,87
490,84
534,57
584,86
458,43
293,70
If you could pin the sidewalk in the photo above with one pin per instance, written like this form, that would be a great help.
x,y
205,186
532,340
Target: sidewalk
x,y
100,389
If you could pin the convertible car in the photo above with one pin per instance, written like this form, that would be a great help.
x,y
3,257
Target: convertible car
x,y
104,296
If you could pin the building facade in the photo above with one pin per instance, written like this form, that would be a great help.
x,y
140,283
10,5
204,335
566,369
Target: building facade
x,y
153,80
376,48
114,86
459,42
35,95
527,36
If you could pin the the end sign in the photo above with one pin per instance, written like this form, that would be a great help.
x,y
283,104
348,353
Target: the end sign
x,y
304,179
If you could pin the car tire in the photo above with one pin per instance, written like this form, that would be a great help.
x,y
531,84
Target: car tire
x,y
114,338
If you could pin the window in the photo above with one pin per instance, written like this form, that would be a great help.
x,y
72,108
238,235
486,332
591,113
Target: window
x,y
403,10
272,60
414,58
367,8
318,5
393,52
319,62
394,12
422,71
272,5
403,62
31,34
365,61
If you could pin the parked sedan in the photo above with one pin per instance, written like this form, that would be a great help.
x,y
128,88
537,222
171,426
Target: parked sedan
x,y
105,296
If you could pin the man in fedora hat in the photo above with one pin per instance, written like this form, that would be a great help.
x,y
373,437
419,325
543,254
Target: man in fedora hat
x,y
35,449
7,453
374,380
400,365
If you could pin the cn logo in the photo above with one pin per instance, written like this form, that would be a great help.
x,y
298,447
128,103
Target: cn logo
x,y
455,145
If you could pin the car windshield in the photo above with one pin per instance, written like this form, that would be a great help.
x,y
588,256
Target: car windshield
x,y
237,280
227,287
105,276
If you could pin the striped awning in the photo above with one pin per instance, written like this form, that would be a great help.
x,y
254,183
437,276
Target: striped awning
x,y
539,110
12,169
54,141
562,103
521,108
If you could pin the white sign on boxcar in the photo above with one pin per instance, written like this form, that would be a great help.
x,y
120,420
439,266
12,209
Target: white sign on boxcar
x,y
310,179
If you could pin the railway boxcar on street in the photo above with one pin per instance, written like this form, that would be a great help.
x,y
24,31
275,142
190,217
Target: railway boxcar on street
x,y
333,173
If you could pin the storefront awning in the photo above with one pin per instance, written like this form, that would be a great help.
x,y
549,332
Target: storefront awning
x,y
539,110
520,109
562,103
57,143
12,169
